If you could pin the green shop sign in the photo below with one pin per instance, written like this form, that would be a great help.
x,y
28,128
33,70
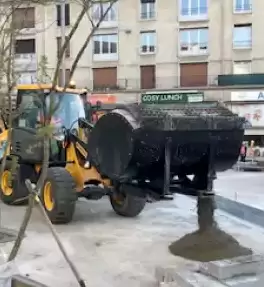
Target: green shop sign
x,y
172,97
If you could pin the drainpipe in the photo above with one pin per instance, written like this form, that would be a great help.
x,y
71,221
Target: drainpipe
x,y
63,35
43,29
222,41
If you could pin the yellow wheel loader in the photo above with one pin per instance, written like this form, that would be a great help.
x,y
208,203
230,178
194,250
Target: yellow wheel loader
x,y
70,174
133,154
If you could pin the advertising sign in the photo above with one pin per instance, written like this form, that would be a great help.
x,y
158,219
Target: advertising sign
x,y
103,98
171,97
254,114
242,96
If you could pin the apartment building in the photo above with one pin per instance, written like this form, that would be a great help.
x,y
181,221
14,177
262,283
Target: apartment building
x,y
150,44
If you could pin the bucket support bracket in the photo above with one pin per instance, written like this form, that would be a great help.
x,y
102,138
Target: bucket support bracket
x,y
167,167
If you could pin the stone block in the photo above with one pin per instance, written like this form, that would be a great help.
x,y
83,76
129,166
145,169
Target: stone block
x,y
244,281
165,274
172,277
225,269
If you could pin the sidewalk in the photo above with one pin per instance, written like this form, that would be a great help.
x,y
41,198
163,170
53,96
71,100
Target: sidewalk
x,y
241,186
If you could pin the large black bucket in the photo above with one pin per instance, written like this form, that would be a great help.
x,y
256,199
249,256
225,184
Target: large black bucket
x,y
129,142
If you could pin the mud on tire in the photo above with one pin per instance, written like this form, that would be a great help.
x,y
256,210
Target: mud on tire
x,y
19,193
58,195
129,205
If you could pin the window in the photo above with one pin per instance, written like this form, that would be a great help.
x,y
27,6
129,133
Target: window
x,y
25,46
242,36
105,78
242,68
105,47
59,46
67,15
194,41
24,18
147,9
148,77
193,8
242,6
100,9
148,42
194,75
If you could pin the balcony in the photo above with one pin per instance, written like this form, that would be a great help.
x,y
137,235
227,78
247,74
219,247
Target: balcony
x,y
194,49
240,80
109,24
25,62
193,14
27,78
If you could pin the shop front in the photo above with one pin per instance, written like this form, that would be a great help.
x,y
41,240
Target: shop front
x,y
250,105
171,97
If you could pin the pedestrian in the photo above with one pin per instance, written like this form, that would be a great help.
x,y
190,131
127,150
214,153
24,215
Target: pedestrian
x,y
243,153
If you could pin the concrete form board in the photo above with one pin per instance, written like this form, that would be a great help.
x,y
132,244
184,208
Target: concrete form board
x,y
241,210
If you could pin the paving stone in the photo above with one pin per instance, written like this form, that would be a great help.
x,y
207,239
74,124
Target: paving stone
x,y
225,269
244,281
165,274
169,284
173,277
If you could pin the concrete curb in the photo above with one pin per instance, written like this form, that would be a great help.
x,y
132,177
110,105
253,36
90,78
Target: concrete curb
x,y
248,167
240,210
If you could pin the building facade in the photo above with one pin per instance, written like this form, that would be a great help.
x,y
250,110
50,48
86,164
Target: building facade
x,y
150,44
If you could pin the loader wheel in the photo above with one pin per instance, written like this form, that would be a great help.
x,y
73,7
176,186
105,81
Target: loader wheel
x,y
125,204
58,195
14,191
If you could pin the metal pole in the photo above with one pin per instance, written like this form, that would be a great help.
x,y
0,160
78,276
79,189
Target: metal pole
x,y
63,64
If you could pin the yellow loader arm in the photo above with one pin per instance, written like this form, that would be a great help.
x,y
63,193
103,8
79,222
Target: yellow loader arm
x,y
3,142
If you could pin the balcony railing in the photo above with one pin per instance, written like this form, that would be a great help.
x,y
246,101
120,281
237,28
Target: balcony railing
x,y
193,82
26,56
148,15
197,11
246,8
193,48
25,61
126,84
194,14
243,44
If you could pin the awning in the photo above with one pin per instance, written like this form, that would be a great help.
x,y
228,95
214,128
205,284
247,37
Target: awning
x,y
254,132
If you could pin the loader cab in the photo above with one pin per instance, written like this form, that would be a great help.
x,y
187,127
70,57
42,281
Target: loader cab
x,y
34,104
63,108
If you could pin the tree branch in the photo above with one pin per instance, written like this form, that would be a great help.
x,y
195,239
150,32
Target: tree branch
x,y
84,46
67,41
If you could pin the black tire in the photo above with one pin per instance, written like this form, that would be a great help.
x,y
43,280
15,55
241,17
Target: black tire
x,y
129,206
62,194
20,192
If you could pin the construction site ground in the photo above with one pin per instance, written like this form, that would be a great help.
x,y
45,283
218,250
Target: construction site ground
x,y
111,251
